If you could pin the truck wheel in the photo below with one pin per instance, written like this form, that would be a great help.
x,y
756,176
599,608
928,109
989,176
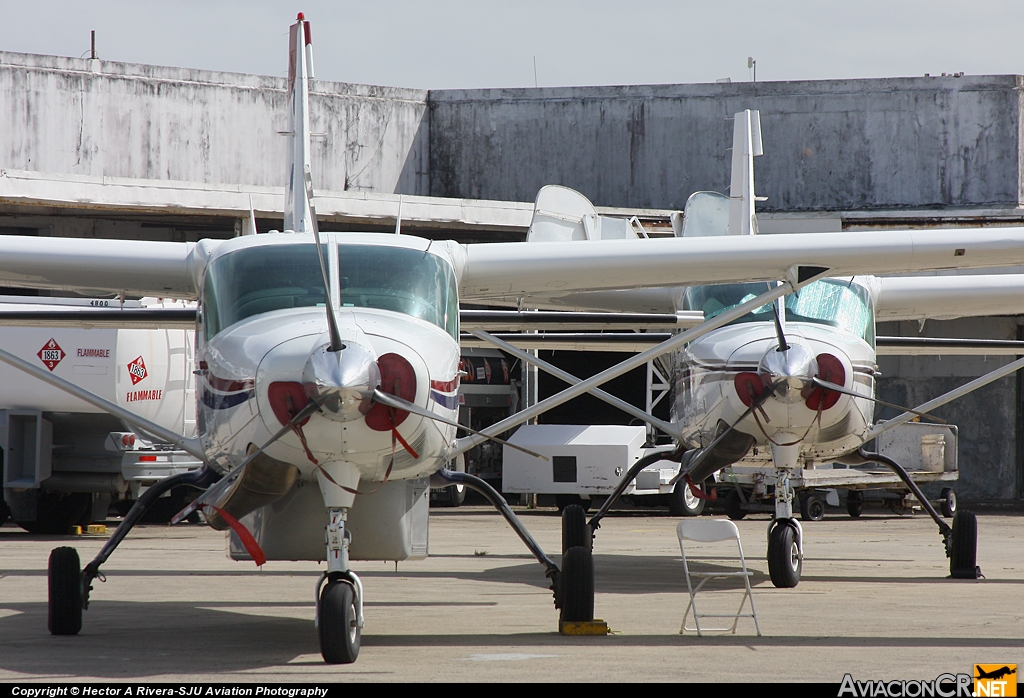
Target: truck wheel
x,y
5,511
56,512
734,506
683,502
812,508
855,503
948,502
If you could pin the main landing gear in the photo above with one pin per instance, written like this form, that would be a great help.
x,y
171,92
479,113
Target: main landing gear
x,y
577,578
573,585
961,539
69,586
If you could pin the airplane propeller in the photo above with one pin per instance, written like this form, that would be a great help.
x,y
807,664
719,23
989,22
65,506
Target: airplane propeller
x,y
826,385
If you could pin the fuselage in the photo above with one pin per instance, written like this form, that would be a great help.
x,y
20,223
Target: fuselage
x,y
717,377
263,324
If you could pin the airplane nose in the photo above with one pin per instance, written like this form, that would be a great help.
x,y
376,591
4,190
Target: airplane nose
x,y
342,380
791,371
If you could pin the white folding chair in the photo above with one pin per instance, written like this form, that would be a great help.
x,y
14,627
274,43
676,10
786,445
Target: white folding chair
x,y
713,531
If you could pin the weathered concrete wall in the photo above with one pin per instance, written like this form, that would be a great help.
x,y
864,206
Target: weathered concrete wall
x,y
829,145
148,122
989,461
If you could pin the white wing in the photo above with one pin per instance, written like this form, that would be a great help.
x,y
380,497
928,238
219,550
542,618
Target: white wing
x,y
137,267
505,271
948,297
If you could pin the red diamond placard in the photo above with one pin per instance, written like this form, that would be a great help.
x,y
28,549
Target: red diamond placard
x,y
137,370
51,354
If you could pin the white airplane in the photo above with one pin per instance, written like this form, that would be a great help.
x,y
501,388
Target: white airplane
x,y
328,365
790,383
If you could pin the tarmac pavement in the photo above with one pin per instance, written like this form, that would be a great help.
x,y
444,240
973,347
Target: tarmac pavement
x,y
874,601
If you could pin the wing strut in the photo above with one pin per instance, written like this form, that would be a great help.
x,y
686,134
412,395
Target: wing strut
x,y
190,446
629,409
791,284
943,399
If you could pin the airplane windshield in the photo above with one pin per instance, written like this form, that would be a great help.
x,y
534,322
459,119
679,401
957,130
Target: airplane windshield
x,y
256,280
261,279
831,302
399,279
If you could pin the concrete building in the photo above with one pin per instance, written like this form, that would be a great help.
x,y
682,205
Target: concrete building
x,y
104,149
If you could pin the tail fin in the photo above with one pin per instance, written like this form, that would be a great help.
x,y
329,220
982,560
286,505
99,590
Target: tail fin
x,y
297,214
746,144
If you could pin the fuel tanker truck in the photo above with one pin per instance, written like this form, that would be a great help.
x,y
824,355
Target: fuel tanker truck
x,y
67,463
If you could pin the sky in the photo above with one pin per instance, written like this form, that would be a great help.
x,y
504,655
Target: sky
x,y
465,44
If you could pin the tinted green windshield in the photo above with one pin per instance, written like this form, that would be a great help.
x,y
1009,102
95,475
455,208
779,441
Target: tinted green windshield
x,y
261,279
831,302
400,279
256,280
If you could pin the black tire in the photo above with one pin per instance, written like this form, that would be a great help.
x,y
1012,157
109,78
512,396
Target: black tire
x,y
575,531
64,573
56,512
855,503
812,508
577,585
734,506
948,502
339,633
564,500
963,558
784,563
682,502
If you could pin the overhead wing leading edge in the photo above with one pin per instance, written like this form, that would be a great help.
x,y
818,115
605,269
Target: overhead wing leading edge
x,y
136,267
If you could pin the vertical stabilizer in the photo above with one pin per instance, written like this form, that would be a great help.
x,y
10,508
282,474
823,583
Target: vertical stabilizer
x,y
746,144
297,215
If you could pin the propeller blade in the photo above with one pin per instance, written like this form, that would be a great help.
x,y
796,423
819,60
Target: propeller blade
x,y
825,385
332,320
400,404
225,482
778,308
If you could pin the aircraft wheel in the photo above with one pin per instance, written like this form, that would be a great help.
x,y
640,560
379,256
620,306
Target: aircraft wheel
x,y
564,500
734,506
64,575
56,512
683,502
855,503
948,503
784,563
577,584
339,630
455,495
963,558
812,508
575,531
